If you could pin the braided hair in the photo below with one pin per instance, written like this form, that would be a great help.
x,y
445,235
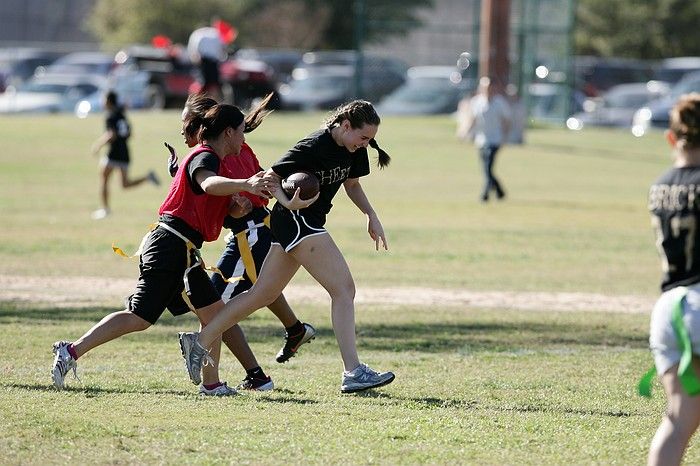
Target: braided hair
x,y
359,113
685,120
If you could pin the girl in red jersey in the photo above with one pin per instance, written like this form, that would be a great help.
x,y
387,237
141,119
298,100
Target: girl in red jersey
x,y
170,266
337,154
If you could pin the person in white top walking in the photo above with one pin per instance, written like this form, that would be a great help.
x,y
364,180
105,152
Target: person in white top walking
x,y
206,48
488,126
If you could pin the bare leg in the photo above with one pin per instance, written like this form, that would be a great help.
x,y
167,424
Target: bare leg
x,y
235,340
323,260
129,183
210,374
281,309
110,327
277,270
679,422
104,186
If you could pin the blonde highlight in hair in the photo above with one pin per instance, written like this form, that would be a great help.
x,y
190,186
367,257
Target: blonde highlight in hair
x,y
685,120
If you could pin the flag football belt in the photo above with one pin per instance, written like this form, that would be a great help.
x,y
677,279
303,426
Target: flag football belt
x,y
686,374
191,251
244,248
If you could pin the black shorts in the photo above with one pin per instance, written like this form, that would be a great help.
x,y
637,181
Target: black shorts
x,y
210,72
233,264
289,227
161,285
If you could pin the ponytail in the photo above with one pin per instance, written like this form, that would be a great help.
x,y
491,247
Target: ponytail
x,y
383,158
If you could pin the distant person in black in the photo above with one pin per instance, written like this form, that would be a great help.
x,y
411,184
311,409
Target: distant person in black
x,y
116,134
674,204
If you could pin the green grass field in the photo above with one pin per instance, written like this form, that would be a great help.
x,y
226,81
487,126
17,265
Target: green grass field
x,y
474,386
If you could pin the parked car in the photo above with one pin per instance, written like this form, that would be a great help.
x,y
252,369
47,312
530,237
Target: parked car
x,y
326,87
427,90
281,61
672,70
594,75
617,105
547,102
85,63
350,58
655,114
244,80
19,64
49,94
168,78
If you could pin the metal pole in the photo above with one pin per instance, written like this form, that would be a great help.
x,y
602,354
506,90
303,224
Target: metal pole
x,y
359,7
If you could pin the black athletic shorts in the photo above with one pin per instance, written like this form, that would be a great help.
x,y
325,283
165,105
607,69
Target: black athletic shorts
x,y
289,227
210,72
161,284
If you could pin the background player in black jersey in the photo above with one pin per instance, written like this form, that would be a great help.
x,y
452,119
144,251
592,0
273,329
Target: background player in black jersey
x,y
674,203
337,154
116,135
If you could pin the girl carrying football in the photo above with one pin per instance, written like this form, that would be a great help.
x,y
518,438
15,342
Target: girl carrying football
x,y
337,154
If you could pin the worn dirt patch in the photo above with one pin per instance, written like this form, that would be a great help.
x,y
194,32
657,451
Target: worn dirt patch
x,y
91,291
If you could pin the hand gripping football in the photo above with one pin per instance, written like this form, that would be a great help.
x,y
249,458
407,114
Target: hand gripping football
x,y
307,182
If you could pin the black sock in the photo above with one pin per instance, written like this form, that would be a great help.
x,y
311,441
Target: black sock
x,y
295,329
256,373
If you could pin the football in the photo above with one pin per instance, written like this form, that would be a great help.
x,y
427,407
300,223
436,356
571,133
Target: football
x,y
307,182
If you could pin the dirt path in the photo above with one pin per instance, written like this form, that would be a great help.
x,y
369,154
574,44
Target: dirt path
x,y
90,291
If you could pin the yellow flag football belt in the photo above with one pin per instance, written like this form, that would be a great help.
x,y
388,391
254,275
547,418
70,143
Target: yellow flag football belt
x,y
192,251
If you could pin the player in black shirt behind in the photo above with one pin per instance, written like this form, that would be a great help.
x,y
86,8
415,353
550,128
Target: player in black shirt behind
x,y
116,134
674,204
337,154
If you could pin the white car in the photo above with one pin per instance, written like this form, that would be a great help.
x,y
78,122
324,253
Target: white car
x,y
49,94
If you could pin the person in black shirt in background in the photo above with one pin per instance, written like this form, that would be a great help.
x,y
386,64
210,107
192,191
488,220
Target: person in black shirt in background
x,y
116,135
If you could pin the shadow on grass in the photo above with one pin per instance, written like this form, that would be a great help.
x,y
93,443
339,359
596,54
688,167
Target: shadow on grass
x,y
472,333
440,403
279,396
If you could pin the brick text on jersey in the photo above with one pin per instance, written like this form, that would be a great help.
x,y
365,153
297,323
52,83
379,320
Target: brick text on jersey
x,y
674,197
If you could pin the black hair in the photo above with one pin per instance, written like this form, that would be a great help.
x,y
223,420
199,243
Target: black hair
x,y
197,106
359,113
111,98
217,119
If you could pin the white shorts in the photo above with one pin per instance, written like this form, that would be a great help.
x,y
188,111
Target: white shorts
x,y
107,162
662,338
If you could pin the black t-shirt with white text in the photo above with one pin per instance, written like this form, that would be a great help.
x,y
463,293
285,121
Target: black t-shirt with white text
x,y
318,153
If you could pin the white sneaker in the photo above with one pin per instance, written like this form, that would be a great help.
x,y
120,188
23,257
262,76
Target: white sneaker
x,y
221,390
194,354
364,378
99,214
62,363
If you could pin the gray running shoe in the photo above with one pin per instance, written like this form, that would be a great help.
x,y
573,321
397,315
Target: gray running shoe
x,y
153,178
293,342
195,355
62,363
364,378
221,390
